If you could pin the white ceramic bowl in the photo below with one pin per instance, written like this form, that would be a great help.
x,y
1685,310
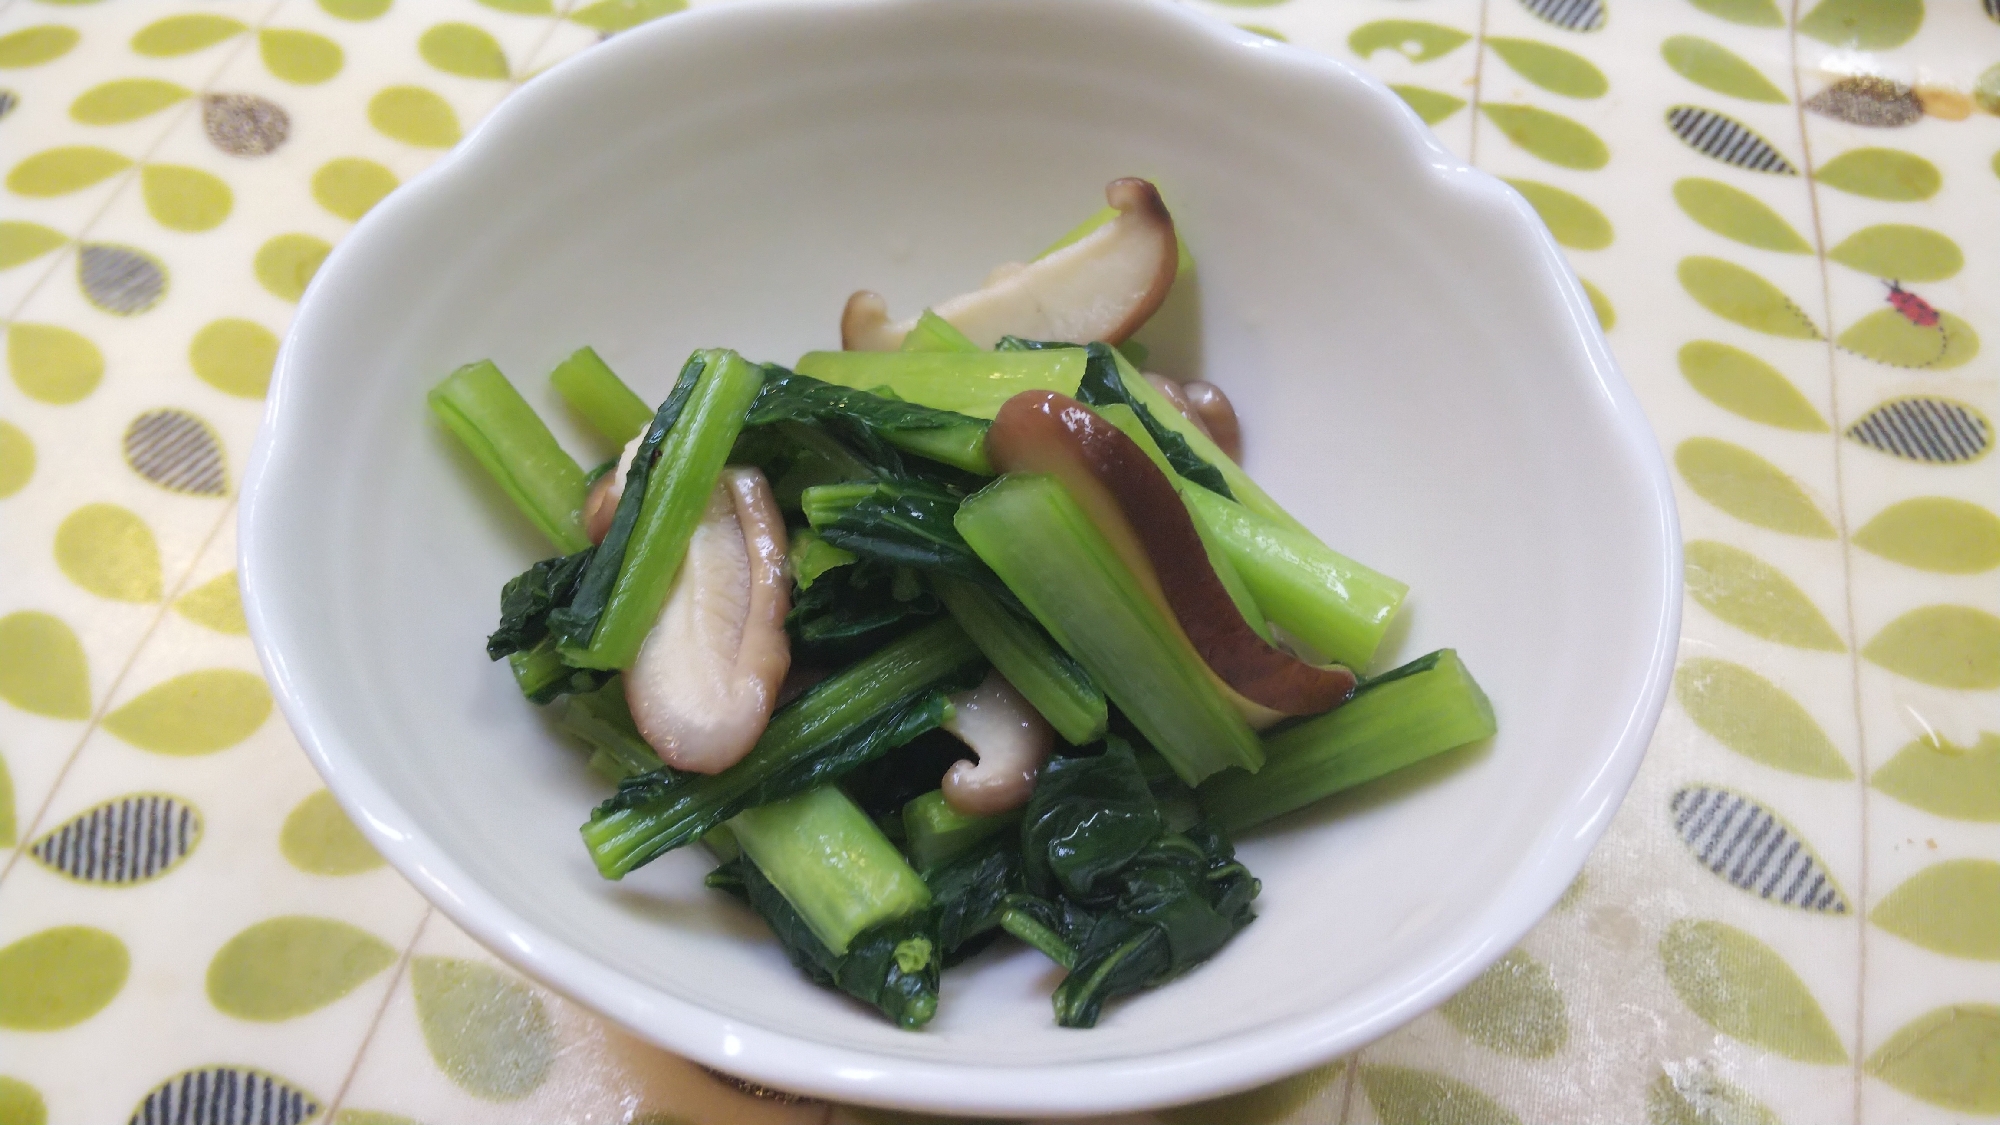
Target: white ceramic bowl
x,y
1421,380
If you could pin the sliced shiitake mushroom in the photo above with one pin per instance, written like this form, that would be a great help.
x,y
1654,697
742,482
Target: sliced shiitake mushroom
x,y
601,503
709,672
1011,739
1214,413
1101,287
1136,507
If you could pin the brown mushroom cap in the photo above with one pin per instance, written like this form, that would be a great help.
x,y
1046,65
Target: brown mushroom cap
x,y
1136,507
1103,286
1216,414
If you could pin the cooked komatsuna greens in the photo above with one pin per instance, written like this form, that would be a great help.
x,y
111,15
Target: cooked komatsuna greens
x,y
971,632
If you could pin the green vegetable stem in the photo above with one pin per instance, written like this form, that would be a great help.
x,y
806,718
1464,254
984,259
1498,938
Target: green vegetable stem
x,y
934,333
1041,543
831,863
483,409
874,706
1425,707
935,834
1023,651
593,390
974,384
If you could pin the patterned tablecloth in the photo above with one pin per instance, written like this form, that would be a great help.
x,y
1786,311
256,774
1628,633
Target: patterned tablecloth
x,y
1787,212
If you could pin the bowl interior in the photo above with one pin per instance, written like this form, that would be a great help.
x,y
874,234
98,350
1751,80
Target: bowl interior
x,y
1419,382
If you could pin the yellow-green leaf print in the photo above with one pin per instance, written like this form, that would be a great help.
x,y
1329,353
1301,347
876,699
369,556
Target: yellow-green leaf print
x,y
125,99
282,968
1279,1102
286,264
227,1095
299,57
60,977
486,1029
132,839
349,186
1513,1008
183,198
1550,67
1571,218
1712,66
1951,908
215,604
1756,597
1260,29
464,50
33,46
1870,25
1736,294
319,839
109,551
1750,488
1607,317
522,7
1431,105
1698,1097
619,15
42,666
182,35
52,364
17,459
1959,782
415,116
1901,252
194,713
1413,39
377,1117
59,171
1948,646
1887,336
24,242
1754,717
6,805
1551,136
1742,988
21,1104
1946,1057
1748,387
356,10
1882,173
1749,13
1402,1095
1936,533
1737,214
234,356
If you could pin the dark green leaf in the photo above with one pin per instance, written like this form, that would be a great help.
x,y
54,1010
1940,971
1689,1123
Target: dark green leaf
x,y
1103,386
529,597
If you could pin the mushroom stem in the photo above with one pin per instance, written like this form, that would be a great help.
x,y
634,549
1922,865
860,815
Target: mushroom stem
x,y
602,503
1214,413
1011,740
708,674
1171,391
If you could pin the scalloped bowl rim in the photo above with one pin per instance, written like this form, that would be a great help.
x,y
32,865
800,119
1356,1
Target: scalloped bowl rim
x,y
1264,1054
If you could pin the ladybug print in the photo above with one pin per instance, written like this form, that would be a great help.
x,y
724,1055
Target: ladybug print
x,y
1915,309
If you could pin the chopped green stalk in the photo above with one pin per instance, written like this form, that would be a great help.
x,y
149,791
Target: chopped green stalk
x,y
721,843
1039,541
823,504
1338,606
1039,669
974,384
677,491
901,522
893,966
478,404
934,333
1423,708
831,863
879,703
1241,487
541,674
602,722
935,833
811,556
593,390
1044,940
1128,423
